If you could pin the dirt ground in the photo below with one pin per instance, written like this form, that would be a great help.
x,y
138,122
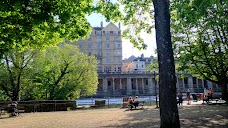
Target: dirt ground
x,y
191,116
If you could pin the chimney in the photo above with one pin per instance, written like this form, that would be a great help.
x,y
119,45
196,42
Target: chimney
x,y
119,25
142,55
101,24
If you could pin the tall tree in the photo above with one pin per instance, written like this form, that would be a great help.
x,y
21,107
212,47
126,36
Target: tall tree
x,y
64,72
201,43
13,68
167,93
139,18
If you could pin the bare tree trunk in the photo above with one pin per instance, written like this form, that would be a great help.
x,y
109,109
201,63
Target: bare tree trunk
x,y
167,80
224,91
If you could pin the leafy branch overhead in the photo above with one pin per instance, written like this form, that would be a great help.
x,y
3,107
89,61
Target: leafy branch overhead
x,y
200,42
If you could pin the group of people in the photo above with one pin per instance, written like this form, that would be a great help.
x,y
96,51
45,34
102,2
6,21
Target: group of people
x,y
133,102
207,93
180,97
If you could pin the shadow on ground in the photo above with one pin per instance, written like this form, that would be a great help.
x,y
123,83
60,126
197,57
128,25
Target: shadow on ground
x,y
198,116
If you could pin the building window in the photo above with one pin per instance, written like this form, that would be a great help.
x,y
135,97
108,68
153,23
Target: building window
x,y
107,37
108,53
89,46
108,60
118,45
100,69
115,33
99,38
89,53
147,82
99,53
119,69
98,32
118,52
119,60
186,82
116,38
107,45
136,65
98,46
107,32
107,69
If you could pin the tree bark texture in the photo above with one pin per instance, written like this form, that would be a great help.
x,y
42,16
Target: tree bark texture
x,y
167,80
224,91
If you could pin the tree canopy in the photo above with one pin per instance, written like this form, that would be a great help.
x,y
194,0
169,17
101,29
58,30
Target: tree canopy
x,y
36,23
57,73
200,35
64,72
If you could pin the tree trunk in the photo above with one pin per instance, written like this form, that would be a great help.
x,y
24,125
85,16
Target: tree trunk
x,y
167,80
224,91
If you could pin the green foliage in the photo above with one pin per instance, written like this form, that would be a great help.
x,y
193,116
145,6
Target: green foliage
x,y
138,17
12,71
200,35
65,73
41,23
36,24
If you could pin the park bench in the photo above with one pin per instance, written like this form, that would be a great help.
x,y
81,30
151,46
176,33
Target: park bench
x,y
11,110
141,104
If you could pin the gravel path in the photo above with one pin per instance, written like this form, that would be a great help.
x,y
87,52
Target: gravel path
x,y
202,116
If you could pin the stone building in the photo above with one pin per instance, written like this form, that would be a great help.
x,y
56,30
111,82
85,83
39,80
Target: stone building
x,y
137,64
106,44
127,77
144,84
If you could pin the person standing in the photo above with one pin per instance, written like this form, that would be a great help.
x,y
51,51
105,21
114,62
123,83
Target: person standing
x,y
205,92
180,98
188,96
210,93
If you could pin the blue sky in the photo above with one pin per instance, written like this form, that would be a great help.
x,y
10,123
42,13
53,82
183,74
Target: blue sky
x,y
128,49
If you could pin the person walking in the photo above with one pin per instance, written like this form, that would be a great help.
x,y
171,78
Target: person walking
x,y
188,96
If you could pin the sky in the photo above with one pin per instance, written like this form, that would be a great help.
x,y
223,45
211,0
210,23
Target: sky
x,y
128,49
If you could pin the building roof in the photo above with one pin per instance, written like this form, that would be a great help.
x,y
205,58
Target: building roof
x,y
143,59
130,59
98,28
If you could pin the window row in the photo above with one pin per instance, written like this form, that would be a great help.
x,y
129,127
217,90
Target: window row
x,y
109,69
108,60
107,53
108,32
99,38
99,46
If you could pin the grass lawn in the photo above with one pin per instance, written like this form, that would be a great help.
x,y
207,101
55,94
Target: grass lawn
x,y
191,116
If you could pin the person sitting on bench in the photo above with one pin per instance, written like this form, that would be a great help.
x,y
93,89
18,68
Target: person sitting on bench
x,y
136,101
130,102
13,108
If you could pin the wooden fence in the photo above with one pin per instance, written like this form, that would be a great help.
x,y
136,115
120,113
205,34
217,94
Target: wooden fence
x,y
43,105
